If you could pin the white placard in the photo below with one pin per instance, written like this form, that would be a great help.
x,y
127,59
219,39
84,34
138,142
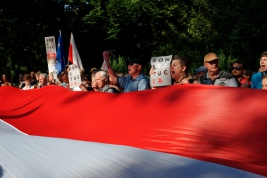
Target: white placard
x,y
74,76
104,66
50,45
161,76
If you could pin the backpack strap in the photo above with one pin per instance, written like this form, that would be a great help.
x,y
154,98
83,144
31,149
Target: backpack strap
x,y
114,89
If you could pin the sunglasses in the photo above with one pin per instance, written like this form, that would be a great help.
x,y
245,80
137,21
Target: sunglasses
x,y
236,68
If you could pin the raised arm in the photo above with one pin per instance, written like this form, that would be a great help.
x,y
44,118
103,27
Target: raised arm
x,y
111,72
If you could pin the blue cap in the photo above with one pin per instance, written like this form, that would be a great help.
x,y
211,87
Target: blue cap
x,y
201,69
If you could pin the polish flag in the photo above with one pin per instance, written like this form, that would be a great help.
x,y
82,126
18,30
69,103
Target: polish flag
x,y
175,131
74,56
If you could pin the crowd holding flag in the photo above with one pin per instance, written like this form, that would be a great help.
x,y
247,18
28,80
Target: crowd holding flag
x,y
61,57
74,56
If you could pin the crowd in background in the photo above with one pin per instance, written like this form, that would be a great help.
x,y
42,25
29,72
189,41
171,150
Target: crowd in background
x,y
112,82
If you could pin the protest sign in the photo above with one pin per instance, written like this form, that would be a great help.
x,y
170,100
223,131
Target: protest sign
x,y
161,76
50,53
74,76
104,66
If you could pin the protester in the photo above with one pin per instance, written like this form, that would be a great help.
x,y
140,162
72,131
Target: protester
x,y
201,71
6,80
264,83
180,70
256,79
101,78
64,79
21,81
27,80
136,81
42,80
94,84
214,75
51,80
238,72
81,87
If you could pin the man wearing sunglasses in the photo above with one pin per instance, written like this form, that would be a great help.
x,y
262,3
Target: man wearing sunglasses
x,y
214,75
238,72
136,81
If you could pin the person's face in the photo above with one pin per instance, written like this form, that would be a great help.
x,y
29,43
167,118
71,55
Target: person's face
x,y
37,77
42,80
32,74
94,85
65,79
263,63
264,84
101,82
51,78
237,70
152,71
4,78
27,82
133,68
200,74
212,66
176,69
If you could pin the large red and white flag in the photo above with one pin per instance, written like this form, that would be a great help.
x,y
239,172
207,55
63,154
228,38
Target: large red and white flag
x,y
74,56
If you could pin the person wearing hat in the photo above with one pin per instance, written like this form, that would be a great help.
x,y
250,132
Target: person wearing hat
x,y
201,71
136,81
214,75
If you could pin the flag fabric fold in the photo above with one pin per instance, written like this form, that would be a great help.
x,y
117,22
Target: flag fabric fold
x,y
74,56
60,57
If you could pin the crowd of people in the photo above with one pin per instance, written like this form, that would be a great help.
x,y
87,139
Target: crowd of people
x,y
112,82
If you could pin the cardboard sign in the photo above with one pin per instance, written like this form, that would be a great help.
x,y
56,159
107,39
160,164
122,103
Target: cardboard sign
x,y
50,45
74,76
161,76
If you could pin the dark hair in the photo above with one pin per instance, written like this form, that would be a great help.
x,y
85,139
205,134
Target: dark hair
x,y
184,62
264,54
27,77
240,62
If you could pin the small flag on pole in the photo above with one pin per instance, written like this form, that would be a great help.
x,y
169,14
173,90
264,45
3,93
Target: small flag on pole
x,y
74,56
61,57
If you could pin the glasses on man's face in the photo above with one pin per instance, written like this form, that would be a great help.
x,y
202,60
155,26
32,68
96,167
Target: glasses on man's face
x,y
131,64
236,68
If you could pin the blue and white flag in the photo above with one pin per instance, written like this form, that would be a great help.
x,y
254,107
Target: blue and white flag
x,y
61,57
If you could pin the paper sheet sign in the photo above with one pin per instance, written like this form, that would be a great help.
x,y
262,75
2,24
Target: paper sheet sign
x,y
50,45
104,66
161,76
74,76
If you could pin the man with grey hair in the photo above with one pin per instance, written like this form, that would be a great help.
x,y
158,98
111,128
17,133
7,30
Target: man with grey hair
x,y
42,80
101,79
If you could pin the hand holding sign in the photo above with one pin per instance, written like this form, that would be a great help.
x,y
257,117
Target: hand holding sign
x,y
106,58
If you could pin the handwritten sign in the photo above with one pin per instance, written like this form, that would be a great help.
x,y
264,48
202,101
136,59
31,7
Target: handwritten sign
x,y
74,76
161,76
50,53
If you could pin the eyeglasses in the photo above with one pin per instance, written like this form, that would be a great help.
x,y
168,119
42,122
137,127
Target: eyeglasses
x,y
131,64
236,68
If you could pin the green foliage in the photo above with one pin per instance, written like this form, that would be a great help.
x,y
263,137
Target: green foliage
x,y
119,65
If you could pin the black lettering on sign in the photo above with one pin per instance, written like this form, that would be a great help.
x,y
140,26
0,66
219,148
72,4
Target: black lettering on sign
x,y
166,72
154,60
167,59
160,59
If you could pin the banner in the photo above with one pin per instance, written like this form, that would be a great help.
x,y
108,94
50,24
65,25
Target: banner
x,y
51,53
74,76
61,57
74,56
161,76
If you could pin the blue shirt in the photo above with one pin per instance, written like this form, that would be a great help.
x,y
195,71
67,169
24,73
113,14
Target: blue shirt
x,y
256,80
130,84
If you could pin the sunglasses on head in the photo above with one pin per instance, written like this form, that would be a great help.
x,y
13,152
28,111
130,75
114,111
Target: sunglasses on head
x,y
236,68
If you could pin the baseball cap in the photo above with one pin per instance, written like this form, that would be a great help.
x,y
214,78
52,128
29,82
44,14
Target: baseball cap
x,y
201,69
210,57
137,61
